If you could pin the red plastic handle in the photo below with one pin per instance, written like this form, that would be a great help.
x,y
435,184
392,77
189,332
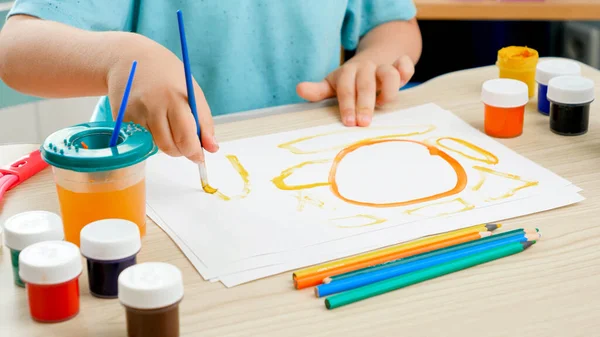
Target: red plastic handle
x,y
25,167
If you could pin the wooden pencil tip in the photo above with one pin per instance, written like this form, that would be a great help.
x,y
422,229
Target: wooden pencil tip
x,y
317,292
327,280
528,244
492,226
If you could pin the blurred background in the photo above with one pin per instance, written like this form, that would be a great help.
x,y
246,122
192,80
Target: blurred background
x,y
457,34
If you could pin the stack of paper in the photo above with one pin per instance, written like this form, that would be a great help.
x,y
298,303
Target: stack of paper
x,y
299,198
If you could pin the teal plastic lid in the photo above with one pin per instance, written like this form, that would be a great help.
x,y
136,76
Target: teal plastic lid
x,y
66,148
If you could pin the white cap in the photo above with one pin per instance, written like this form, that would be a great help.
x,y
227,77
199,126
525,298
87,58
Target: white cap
x,y
110,239
504,93
27,228
150,285
549,69
49,262
571,90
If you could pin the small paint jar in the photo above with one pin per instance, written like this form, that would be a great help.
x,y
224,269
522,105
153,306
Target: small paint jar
x,y
504,101
518,63
547,70
110,246
570,99
151,293
51,270
24,229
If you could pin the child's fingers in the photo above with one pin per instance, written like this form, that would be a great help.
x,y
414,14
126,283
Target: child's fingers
x,y
406,68
183,132
346,94
365,96
389,83
209,140
158,125
315,91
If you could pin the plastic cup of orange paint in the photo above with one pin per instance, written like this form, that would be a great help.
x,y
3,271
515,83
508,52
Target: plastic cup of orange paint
x,y
504,101
95,181
51,270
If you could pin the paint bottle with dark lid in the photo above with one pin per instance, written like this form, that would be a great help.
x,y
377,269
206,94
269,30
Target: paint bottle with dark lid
x,y
547,70
110,246
151,293
570,99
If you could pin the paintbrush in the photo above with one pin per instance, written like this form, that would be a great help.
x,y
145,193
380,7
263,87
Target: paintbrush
x,y
192,100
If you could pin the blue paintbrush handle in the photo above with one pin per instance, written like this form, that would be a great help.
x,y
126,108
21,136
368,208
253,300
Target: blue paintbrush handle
x,y
115,135
188,71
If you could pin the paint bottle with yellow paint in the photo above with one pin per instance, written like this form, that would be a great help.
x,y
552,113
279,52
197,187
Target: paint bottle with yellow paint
x,y
519,63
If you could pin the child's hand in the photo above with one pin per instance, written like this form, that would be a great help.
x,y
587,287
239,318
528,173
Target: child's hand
x,y
158,101
359,86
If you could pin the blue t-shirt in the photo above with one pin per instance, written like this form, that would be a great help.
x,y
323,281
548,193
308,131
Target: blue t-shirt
x,y
245,54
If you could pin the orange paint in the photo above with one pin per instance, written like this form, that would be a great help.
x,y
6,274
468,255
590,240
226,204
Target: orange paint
x,y
291,146
504,122
79,209
461,175
317,278
84,145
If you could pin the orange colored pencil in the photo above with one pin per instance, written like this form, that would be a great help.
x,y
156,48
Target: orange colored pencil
x,y
318,277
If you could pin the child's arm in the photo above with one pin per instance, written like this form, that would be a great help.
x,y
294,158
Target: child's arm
x,y
50,59
383,63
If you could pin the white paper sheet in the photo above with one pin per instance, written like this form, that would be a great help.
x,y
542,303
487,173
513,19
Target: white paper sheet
x,y
410,157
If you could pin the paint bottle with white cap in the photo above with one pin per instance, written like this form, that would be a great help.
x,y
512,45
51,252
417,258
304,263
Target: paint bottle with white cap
x,y
151,293
547,70
570,99
50,270
110,246
27,228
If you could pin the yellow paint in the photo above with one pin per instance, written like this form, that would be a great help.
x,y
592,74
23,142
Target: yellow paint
x,y
465,207
239,168
480,182
487,157
373,220
290,146
209,189
279,181
510,192
304,200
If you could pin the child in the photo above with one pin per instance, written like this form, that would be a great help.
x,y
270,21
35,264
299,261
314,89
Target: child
x,y
245,54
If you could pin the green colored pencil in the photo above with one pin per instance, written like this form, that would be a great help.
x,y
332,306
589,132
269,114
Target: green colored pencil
x,y
488,239
383,287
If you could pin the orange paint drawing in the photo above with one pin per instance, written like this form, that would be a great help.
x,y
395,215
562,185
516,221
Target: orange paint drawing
x,y
487,157
371,221
464,206
461,175
292,145
279,181
484,171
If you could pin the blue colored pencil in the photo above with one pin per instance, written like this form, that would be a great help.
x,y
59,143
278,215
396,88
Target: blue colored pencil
x,y
115,134
189,83
394,271
495,237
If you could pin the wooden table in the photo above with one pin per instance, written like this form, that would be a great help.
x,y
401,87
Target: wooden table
x,y
550,290
508,10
